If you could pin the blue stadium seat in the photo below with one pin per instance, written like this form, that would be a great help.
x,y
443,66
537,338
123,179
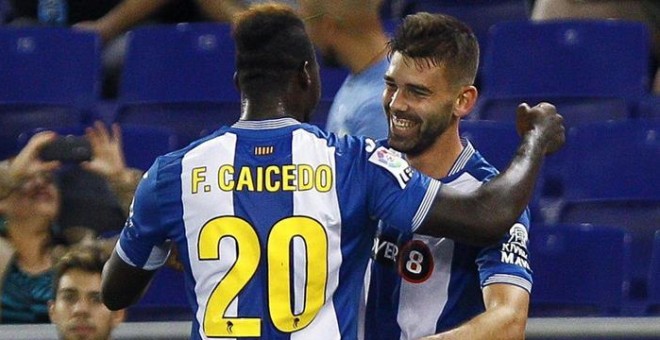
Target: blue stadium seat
x,y
617,159
609,175
142,144
49,77
579,270
164,300
179,76
649,107
56,66
639,217
591,69
654,278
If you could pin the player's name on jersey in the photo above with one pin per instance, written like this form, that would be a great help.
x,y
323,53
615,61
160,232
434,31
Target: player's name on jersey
x,y
271,178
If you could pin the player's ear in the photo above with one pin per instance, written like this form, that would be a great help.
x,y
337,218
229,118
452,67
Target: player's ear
x,y
465,100
304,75
236,82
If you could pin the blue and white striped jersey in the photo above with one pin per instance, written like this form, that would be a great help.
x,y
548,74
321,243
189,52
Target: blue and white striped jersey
x,y
273,221
420,285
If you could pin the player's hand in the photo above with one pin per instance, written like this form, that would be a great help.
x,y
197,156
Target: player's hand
x,y
546,121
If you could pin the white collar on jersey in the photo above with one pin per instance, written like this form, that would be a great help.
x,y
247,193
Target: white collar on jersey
x,y
463,158
265,124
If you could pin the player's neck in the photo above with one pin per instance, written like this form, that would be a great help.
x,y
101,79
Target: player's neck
x,y
265,108
440,157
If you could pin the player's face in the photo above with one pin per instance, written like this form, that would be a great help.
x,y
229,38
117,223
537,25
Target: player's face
x,y
78,312
418,102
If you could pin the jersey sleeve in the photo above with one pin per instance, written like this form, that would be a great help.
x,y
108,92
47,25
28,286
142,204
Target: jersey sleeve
x,y
400,196
143,242
508,261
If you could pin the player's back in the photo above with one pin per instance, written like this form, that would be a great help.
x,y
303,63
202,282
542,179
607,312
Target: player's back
x,y
274,221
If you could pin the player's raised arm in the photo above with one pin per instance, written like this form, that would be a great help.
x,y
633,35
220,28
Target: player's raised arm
x,y
484,215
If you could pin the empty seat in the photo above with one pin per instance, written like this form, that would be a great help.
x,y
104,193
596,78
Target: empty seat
x,y
612,160
49,77
49,66
142,144
591,69
179,76
639,217
579,270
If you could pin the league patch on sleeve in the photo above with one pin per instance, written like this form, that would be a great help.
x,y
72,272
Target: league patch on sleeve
x,y
393,162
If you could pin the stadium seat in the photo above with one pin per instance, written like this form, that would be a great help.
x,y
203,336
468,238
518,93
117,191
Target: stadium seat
x,y
179,76
49,77
590,69
654,278
164,300
639,217
142,144
579,270
617,159
649,107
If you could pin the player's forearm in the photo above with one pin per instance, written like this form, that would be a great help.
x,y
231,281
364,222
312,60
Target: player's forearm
x,y
483,216
503,323
122,285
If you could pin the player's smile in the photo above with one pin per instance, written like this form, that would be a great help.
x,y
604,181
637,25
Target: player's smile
x,y
403,127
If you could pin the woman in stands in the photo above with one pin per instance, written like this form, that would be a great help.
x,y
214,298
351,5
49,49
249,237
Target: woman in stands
x,y
30,204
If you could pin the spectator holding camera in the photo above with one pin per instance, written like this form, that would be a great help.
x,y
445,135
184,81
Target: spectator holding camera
x,y
30,203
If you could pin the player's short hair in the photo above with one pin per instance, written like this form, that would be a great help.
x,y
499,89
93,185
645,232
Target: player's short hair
x,y
87,258
438,40
271,43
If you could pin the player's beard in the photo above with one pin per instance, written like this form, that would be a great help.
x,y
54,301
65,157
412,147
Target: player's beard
x,y
428,131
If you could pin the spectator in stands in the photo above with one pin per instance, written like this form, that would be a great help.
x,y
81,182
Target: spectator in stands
x,y
646,11
456,290
76,309
350,34
30,204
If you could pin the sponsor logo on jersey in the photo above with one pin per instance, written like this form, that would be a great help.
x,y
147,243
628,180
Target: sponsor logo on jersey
x,y
514,251
413,260
393,162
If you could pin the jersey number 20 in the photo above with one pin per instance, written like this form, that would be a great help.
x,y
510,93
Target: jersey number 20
x,y
279,255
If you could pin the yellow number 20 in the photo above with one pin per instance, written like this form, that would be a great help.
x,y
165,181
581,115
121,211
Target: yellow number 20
x,y
279,256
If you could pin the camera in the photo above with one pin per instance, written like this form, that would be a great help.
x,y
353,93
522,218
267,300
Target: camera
x,y
69,149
